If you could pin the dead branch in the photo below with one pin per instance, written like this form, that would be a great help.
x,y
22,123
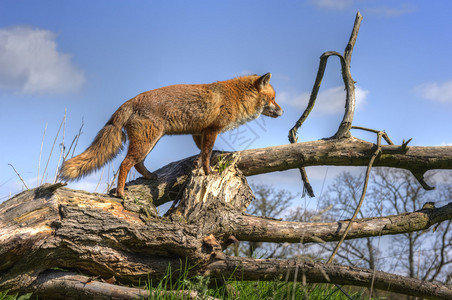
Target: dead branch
x,y
315,272
70,285
344,152
251,228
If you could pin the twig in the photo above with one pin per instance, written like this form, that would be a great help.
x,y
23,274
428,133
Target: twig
x,y
75,140
19,176
374,270
40,153
344,128
50,155
383,134
418,174
100,179
294,287
62,148
361,200
112,181
78,137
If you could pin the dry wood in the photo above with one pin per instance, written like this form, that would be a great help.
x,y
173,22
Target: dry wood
x,y
261,269
268,230
345,152
70,285
53,227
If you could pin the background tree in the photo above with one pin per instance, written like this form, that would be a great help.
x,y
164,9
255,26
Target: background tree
x,y
341,198
393,191
268,201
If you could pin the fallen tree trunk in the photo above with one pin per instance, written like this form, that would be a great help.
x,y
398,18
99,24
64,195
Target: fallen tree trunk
x,y
55,227
344,152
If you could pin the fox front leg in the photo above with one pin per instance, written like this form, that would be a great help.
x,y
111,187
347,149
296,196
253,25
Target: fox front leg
x,y
205,142
206,152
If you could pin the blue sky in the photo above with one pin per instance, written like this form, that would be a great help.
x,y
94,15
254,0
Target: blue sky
x,y
88,57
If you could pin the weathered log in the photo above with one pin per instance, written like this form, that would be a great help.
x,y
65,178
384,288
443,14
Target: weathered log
x,y
45,228
315,272
70,285
344,152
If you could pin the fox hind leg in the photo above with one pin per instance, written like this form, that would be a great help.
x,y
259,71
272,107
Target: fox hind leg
x,y
143,171
142,138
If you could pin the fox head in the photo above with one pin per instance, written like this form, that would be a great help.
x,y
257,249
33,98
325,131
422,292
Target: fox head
x,y
267,96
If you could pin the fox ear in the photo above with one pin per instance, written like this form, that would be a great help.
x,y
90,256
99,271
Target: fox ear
x,y
263,81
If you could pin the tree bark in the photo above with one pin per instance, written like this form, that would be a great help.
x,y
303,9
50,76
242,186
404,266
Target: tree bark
x,y
55,227
343,152
251,228
70,285
314,272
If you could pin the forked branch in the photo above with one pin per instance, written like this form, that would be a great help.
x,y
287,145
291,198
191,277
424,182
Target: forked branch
x,y
344,128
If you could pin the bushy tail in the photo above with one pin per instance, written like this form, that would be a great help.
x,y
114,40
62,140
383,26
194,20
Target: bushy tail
x,y
107,144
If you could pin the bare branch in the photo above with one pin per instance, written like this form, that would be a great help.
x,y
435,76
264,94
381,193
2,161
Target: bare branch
x,y
346,152
251,228
64,285
260,269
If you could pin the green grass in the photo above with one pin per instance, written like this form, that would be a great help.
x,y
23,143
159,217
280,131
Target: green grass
x,y
233,289
4,296
174,283
256,290
223,164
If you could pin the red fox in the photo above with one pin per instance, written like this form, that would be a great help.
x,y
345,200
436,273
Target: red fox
x,y
202,110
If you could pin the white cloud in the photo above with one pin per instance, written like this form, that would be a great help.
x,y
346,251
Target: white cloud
x,y
333,4
365,6
31,63
440,92
330,101
391,11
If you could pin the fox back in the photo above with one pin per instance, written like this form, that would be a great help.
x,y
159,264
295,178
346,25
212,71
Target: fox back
x,y
202,110
190,109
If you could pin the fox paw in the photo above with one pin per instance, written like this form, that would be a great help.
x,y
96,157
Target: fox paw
x,y
197,163
150,176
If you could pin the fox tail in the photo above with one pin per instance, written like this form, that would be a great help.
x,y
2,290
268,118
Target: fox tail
x,y
107,144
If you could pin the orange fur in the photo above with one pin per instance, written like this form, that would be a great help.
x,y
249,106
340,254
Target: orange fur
x,y
203,110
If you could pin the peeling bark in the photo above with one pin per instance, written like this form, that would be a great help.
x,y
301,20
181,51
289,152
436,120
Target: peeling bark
x,y
345,152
